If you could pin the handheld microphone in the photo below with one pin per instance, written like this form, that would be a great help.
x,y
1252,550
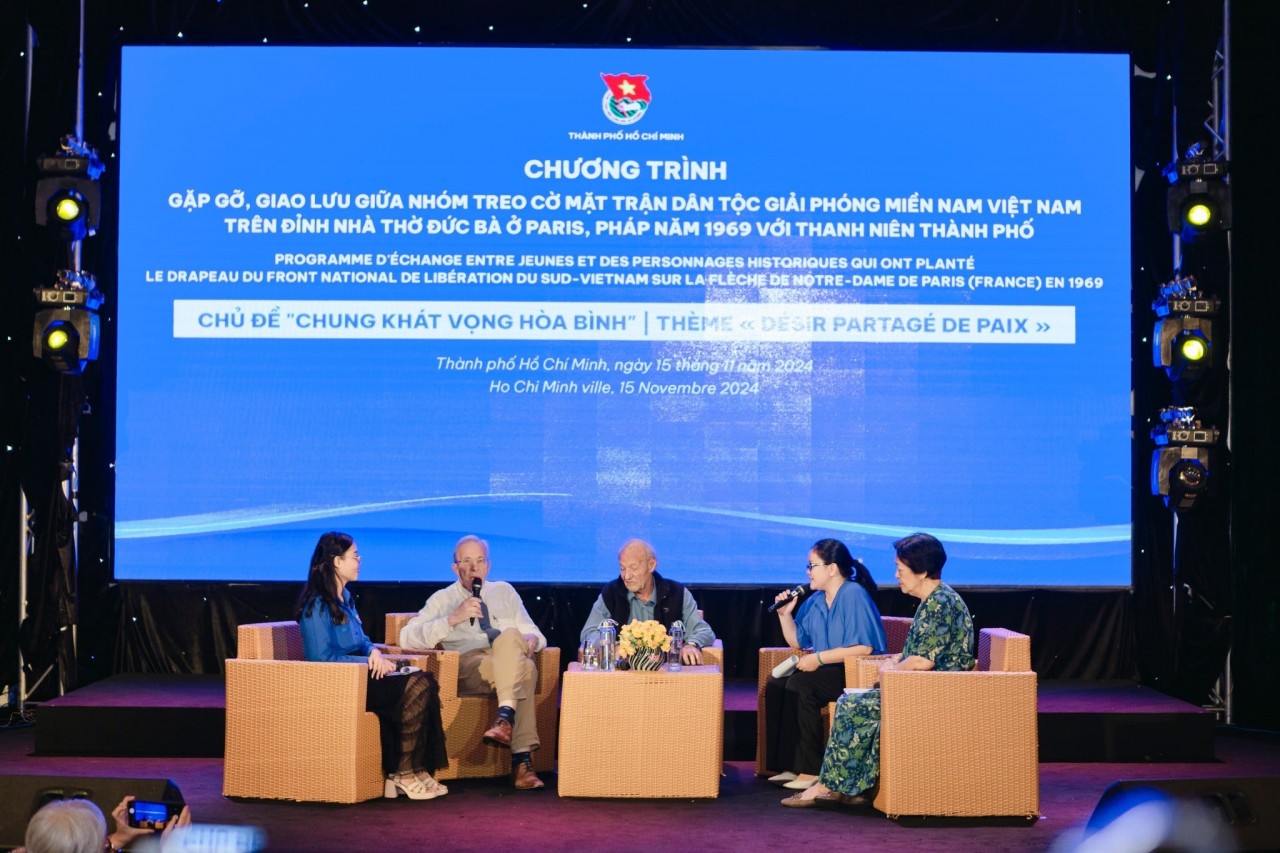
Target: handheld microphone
x,y
791,593
476,583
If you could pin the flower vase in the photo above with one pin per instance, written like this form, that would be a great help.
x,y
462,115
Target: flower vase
x,y
648,661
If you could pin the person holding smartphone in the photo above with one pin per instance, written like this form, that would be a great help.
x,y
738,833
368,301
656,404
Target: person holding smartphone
x,y
137,818
841,622
407,704
77,826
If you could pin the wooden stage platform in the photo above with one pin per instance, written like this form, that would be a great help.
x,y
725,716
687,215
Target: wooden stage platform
x,y
185,715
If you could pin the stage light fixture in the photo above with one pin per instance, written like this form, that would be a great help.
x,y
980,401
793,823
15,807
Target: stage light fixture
x,y
67,206
1199,200
68,197
1199,214
66,332
60,340
55,337
1182,342
1182,463
1193,349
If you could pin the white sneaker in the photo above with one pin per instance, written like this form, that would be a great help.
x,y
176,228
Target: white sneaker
x,y
413,787
786,776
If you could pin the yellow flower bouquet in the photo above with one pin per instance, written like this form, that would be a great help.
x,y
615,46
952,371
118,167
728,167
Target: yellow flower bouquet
x,y
644,644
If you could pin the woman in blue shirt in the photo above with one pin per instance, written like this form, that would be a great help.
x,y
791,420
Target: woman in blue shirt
x,y
407,704
841,622
941,639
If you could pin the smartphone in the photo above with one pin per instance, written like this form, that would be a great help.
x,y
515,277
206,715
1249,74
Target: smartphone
x,y
150,814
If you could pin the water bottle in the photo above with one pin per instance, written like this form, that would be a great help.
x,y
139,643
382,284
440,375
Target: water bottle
x,y
677,646
608,645
591,650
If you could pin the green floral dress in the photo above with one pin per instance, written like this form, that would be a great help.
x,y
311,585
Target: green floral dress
x,y
942,631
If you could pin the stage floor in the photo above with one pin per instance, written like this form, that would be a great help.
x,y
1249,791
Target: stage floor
x,y
184,715
489,815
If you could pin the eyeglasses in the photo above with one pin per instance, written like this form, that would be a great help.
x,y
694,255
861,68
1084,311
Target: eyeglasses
x,y
808,566
469,563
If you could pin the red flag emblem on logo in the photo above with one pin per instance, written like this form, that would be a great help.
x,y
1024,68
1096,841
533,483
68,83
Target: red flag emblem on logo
x,y
627,99
629,86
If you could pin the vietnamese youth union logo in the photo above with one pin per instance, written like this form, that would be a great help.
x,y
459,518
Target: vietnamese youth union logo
x,y
627,99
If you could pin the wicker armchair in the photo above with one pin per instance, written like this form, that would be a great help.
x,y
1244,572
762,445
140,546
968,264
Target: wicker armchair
x,y
297,730
895,633
466,718
961,744
713,655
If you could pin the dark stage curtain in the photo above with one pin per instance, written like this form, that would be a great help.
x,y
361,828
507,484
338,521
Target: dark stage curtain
x,y
45,636
1255,479
191,628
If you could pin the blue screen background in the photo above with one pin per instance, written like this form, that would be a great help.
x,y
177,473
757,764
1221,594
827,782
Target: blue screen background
x,y
235,452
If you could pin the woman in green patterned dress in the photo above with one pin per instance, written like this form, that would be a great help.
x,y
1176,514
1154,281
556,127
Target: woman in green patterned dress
x,y
941,638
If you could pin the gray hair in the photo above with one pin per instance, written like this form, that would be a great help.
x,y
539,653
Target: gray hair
x,y
470,538
67,826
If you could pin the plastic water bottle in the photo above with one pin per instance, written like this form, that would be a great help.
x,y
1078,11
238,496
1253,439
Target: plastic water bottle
x,y
677,646
608,645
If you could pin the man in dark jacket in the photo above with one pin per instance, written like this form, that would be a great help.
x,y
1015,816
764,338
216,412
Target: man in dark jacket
x,y
639,593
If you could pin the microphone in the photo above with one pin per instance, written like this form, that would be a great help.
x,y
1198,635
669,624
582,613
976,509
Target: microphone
x,y
476,583
791,593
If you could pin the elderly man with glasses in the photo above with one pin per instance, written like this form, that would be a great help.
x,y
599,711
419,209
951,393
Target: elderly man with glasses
x,y
486,622
639,593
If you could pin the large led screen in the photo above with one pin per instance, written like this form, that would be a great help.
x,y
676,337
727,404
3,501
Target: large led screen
x,y
729,301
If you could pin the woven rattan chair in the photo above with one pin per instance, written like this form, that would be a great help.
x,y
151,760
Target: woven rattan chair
x,y
713,655
297,730
467,717
960,744
895,634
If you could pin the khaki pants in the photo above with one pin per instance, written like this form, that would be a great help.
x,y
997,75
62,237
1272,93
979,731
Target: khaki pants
x,y
507,670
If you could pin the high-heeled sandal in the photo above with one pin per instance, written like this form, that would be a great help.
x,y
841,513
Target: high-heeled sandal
x,y
430,781
412,787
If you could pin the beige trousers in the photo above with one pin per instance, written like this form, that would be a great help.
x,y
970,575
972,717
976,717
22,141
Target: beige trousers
x,y
507,670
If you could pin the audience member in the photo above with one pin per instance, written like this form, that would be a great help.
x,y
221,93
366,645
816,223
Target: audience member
x,y
77,826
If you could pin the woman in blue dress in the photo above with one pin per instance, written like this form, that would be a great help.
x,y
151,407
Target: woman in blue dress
x,y
941,638
841,622
407,704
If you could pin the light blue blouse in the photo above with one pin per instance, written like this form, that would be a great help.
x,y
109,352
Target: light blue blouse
x,y
852,620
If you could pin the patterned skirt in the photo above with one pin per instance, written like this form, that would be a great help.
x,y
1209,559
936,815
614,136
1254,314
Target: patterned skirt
x,y
851,763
